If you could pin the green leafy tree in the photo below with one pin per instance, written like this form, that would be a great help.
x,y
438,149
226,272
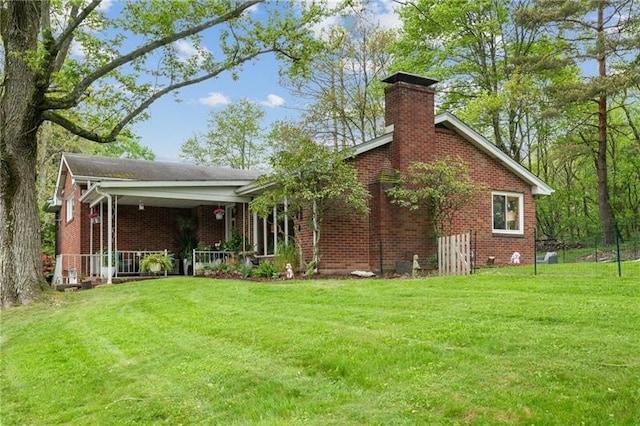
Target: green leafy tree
x,y
313,179
441,187
478,50
344,97
235,138
600,32
93,73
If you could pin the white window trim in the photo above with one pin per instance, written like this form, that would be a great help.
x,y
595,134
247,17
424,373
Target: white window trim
x,y
69,208
520,230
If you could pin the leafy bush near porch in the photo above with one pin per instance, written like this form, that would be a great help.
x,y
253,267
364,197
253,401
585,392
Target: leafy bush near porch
x,y
498,347
266,269
286,253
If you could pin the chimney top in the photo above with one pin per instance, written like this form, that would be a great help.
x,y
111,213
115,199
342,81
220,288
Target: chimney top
x,y
405,77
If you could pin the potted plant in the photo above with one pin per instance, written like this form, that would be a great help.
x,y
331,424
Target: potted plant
x,y
156,262
219,213
94,217
186,241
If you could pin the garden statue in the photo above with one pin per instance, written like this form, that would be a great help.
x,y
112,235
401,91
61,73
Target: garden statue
x,y
416,266
289,273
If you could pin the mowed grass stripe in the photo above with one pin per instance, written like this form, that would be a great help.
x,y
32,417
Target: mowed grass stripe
x,y
490,348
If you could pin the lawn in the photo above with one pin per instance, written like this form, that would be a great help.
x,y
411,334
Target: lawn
x,y
493,348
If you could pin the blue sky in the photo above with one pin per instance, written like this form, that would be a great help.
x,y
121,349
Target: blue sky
x,y
171,122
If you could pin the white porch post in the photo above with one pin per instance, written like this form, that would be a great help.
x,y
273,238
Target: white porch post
x,y
286,223
255,232
275,230
109,235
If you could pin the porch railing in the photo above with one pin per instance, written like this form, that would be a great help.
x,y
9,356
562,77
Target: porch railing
x,y
202,258
71,268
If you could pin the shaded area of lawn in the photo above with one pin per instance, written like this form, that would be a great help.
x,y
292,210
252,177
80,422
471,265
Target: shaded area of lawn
x,y
489,348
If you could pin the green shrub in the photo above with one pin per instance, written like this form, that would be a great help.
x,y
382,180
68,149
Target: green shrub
x,y
285,253
244,270
266,270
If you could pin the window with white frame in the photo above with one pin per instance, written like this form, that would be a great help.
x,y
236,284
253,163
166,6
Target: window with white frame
x,y
69,208
508,214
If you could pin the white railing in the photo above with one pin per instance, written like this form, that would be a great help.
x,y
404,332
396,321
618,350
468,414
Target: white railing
x,y
209,257
71,268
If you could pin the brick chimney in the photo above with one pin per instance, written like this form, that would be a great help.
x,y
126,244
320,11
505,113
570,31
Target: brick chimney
x,y
409,107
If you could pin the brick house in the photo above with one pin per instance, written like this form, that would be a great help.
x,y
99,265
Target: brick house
x,y
143,201
502,218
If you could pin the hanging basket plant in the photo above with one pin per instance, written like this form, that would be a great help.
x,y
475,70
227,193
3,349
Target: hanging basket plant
x,y
94,217
219,213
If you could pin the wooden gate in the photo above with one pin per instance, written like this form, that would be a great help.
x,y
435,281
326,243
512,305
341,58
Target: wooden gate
x,y
454,254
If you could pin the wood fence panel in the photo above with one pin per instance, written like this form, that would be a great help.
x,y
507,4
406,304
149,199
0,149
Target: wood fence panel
x,y
454,254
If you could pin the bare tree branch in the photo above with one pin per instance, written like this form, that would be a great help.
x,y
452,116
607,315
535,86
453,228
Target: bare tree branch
x,y
72,99
115,131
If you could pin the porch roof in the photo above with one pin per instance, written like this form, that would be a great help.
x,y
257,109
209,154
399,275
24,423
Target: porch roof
x,y
153,183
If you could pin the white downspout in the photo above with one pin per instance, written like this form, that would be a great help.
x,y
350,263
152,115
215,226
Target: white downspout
x,y
109,235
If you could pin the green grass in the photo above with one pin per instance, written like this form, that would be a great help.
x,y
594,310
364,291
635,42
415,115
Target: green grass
x,y
498,347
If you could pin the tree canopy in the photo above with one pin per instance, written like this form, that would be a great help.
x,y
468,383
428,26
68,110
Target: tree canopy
x,y
235,138
311,178
94,71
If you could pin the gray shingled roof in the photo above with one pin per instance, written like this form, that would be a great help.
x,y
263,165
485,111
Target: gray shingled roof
x,y
102,168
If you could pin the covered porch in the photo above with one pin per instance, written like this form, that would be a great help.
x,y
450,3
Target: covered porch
x,y
123,221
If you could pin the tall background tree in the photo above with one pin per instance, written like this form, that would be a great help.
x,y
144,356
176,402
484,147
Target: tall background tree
x,y
342,102
476,49
542,79
604,33
235,139
129,59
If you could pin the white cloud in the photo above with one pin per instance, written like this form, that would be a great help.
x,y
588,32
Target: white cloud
x,y
77,50
273,101
382,11
186,48
186,51
215,98
105,5
386,12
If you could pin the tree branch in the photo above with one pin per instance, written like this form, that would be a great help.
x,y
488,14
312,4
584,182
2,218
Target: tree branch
x,y
144,105
73,98
72,127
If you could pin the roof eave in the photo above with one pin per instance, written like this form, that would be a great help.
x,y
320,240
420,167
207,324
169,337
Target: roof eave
x,y
373,143
538,187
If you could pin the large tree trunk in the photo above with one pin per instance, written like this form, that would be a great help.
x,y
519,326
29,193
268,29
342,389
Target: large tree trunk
x,y
20,263
606,215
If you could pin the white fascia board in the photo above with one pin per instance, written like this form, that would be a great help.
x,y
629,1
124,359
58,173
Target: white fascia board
x,y
219,194
538,187
253,189
373,143
173,183
84,179
59,184
182,194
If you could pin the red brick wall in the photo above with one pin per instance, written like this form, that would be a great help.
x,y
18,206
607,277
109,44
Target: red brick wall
x,y
210,230
390,233
70,231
